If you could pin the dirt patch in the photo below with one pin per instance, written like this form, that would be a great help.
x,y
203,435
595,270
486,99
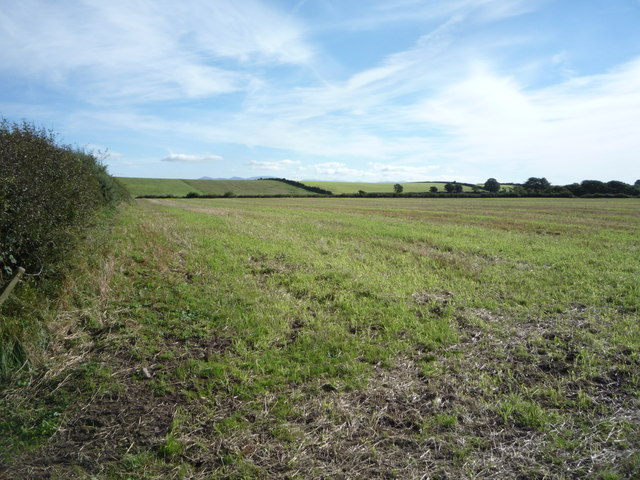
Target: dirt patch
x,y
263,265
105,430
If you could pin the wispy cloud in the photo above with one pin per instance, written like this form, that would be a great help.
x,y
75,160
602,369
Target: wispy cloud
x,y
273,166
409,11
373,172
464,92
185,158
140,51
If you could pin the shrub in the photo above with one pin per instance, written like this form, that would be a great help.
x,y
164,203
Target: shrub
x,y
47,192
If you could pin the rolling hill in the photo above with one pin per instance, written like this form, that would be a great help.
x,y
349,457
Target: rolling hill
x,y
179,188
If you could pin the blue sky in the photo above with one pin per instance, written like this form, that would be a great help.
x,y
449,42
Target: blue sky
x,y
358,90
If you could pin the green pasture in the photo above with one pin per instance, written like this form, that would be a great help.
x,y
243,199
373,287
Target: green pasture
x,y
179,188
338,188
247,187
343,338
157,186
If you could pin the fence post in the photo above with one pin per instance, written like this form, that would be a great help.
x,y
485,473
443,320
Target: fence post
x,y
14,281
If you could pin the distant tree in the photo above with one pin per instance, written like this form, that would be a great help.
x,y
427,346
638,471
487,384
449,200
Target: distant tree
x,y
229,194
457,188
492,185
637,183
398,188
537,184
362,193
593,186
574,188
434,189
615,186
449,187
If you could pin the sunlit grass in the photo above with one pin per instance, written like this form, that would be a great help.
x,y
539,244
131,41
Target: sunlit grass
x,y
180,188
454,334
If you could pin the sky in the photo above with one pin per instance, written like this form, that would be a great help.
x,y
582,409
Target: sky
x,y
352,90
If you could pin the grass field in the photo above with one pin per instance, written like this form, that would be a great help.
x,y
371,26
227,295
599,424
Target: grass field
x,y
342,338
157,186
338,188
180,188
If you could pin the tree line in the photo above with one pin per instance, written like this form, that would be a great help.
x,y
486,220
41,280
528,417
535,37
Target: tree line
x,y
541,186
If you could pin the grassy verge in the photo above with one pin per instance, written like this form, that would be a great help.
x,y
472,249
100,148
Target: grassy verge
x,y
342,338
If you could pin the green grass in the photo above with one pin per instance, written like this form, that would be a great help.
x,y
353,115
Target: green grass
x,y
326,337
338,188
247,187
180,188
157,186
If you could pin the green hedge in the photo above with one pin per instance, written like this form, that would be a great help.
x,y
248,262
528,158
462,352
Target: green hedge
x,y
47,193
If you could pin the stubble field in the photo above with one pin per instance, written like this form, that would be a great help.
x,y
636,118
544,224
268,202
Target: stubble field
x,y
343,338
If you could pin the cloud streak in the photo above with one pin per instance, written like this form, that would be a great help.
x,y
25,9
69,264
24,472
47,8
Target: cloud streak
x,y
142,52
185,158
274,166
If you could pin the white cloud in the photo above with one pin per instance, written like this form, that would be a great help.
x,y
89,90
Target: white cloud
x,y
584,127
185,158
405,172
340,170
279,165
373,172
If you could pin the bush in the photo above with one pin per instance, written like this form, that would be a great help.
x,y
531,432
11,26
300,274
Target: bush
x,y
47,192
48,195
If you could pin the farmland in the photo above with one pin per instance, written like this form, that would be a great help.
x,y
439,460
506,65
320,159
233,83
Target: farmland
x,y
342,338
180,188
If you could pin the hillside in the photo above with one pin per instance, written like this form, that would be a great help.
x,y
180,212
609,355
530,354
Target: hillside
x,y
179,188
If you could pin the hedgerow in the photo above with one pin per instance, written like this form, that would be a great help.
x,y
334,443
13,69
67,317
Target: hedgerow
x,y
293,183
47,192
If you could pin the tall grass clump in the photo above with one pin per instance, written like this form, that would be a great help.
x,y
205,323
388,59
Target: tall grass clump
x,y
48,194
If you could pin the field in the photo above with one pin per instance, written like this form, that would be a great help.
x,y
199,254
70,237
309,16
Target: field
x,y
180,188
342,338
353,187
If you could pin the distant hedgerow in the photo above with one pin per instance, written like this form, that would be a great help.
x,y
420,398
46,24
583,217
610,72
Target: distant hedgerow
x,y
301,185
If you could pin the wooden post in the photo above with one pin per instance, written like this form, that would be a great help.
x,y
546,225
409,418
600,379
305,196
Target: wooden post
x,y
14,281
